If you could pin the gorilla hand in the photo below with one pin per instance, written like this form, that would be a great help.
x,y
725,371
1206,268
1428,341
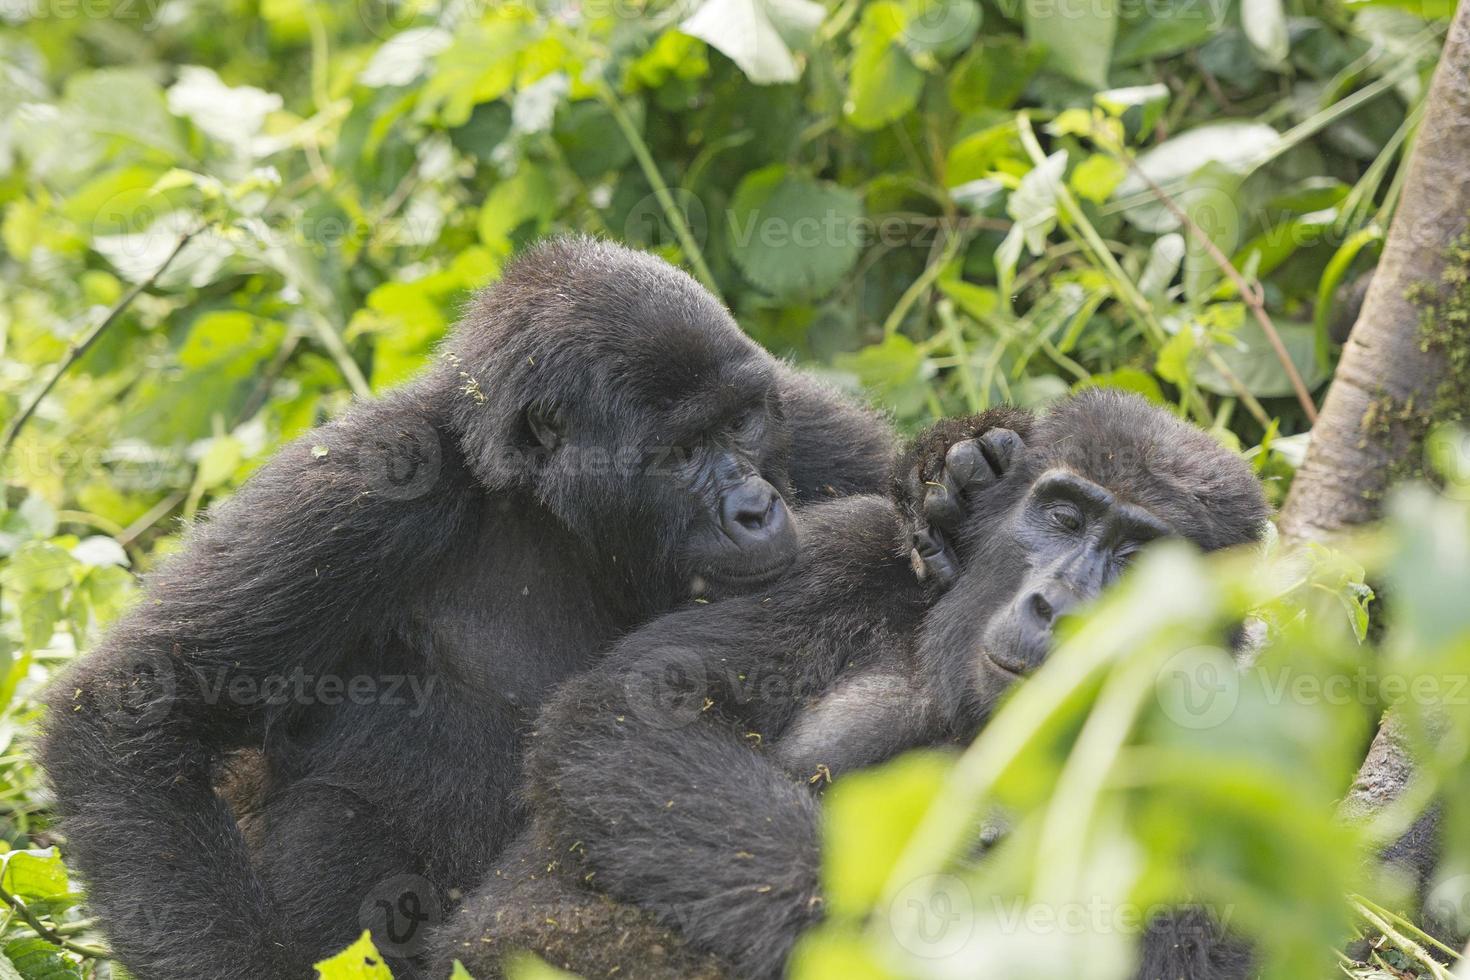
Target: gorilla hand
x,y
946,467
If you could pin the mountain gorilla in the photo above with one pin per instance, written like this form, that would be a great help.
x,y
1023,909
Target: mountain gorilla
x,y
678,777
378,612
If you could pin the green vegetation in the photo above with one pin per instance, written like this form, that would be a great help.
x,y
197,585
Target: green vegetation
x,y
220,220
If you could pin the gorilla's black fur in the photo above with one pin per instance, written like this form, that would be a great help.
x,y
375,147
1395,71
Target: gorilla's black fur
x,y
379,611
677,776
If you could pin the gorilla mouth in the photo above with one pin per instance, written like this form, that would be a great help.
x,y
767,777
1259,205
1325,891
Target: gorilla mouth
x,y
747,578
1002,668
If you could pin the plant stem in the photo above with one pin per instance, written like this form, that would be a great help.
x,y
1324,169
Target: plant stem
x,y
49,934
666,201
76,351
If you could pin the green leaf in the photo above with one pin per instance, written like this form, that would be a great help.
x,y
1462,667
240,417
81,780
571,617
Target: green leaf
x,y
940,27
994,73
360,961
38,566
36,959
35,874
1097,177
791,235
404,56
885,83
232,115
1264,23
529,195
525,966
219,462
758,35
1255,362
1034,203
867,818
459,972
1149,100
1126,379
1078,37
1237,147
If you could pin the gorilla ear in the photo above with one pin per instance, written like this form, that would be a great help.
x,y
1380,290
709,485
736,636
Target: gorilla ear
x,y
544,426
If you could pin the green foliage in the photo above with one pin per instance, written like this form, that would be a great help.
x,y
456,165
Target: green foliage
x,y
939,204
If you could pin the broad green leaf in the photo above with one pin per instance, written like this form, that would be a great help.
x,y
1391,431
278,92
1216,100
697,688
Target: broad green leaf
x,y
792,235
1238,147
35,874
38,566
758,35
530,195
1264,22
525,966
994,73
404,56
100,551
1095,178
873,812
1126,379
220,460
36,959
232,115
1149,101
360,961
836,952
885,83
1077,35
940,27
459,972
1034,203
675,55
1212,202
1255,363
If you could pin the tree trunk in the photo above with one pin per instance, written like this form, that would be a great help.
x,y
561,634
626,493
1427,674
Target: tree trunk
x,y
1404,367
1396,375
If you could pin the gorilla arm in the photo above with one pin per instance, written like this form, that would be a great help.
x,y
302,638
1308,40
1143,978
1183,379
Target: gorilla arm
x,y
295,572
838,447
684,811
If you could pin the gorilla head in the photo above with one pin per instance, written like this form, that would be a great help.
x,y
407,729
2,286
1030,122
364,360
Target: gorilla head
x,y
1102,474
613,441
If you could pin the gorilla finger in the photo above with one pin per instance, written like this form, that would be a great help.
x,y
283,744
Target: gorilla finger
x,y
932,559
942,507
1001,448
963,460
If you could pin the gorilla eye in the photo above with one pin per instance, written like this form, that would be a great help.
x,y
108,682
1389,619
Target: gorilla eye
x,y
1065,516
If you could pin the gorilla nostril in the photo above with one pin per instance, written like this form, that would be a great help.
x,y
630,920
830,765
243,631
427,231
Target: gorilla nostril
x,y
751,511
1042,609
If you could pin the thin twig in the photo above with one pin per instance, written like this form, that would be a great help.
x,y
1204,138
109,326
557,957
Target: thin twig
x,y
655,179
1248,292
76,351
49,934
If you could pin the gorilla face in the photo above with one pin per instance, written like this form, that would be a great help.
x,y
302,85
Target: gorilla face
x,y
678,467
1077,537
1102,475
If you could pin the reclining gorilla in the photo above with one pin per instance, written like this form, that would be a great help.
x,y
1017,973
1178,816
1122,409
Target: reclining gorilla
x,y
679,776
598,443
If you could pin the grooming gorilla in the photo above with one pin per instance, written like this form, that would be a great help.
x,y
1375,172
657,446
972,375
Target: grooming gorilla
x,y
678,776
597,436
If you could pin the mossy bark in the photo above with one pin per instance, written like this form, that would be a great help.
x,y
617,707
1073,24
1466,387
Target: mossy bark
x,y
1406,365
1403,366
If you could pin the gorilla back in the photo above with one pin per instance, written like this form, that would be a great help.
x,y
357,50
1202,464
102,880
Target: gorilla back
x,y
379,611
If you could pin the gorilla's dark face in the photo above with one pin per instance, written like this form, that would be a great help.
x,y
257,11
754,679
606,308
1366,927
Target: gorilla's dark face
x,y
697,474
1102,476
1076,538
630,404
